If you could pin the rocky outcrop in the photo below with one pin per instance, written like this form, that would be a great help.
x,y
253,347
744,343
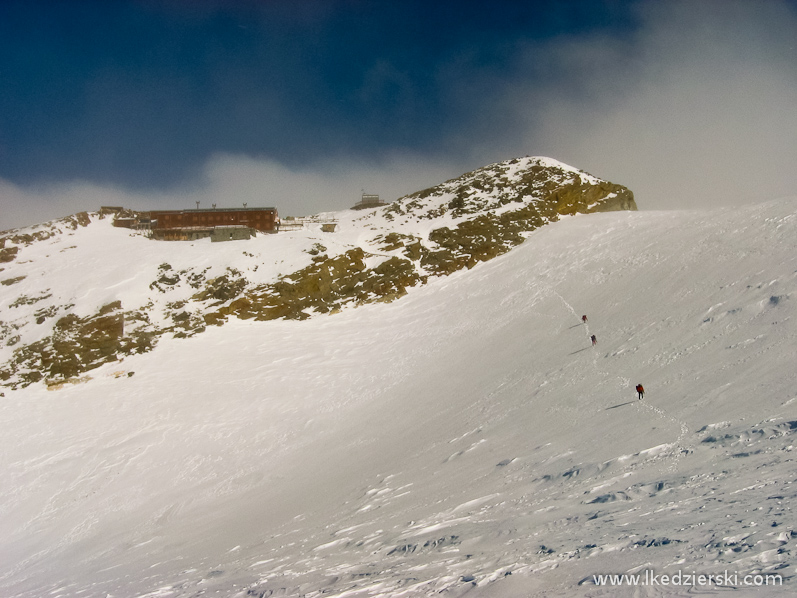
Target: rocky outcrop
x,y
8,254
77,345
553,187
12,240
327,285
497,204
585,198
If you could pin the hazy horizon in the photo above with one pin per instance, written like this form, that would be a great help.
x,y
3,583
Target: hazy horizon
x,y
687,104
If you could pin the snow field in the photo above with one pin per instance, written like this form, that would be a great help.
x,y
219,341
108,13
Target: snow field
x,y
464,439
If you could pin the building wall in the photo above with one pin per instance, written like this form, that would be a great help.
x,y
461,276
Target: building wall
x,y
230,234
262,219
181,234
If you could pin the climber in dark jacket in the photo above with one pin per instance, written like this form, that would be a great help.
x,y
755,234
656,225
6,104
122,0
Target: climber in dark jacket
x,y
640,391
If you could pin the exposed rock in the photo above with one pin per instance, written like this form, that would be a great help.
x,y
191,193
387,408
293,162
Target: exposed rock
x,y
10,281
8,254
552,186
599,197
24,300
326,285
76,345
167,278
222,288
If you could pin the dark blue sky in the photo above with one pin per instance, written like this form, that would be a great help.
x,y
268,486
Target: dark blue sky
x,y
151,98
142,93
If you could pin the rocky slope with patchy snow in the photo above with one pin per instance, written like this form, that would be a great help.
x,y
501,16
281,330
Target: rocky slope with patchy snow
x,y
56,325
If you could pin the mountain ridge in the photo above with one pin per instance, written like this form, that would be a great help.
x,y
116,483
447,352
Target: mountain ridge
x,y
375,257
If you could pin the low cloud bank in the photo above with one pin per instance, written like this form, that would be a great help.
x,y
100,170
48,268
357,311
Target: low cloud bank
x,y
231,181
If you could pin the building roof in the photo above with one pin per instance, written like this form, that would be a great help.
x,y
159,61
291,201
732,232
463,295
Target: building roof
x,y
195,210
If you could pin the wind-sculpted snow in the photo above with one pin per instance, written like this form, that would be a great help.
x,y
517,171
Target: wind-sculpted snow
x,y
374,257
466,440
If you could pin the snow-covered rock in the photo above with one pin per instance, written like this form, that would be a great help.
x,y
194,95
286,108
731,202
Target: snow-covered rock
x,y
79,292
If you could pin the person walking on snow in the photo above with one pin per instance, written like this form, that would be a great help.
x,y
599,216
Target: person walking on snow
x,y
584,319
594,340
640,391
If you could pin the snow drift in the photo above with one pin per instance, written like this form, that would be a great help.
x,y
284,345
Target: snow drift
x,y
466,438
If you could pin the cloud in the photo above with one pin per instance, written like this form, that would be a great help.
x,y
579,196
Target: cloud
x,y
696,110
335,184
230,181
26,206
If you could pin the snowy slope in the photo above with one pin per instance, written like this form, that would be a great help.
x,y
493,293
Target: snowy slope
x,y
77,293
464,439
